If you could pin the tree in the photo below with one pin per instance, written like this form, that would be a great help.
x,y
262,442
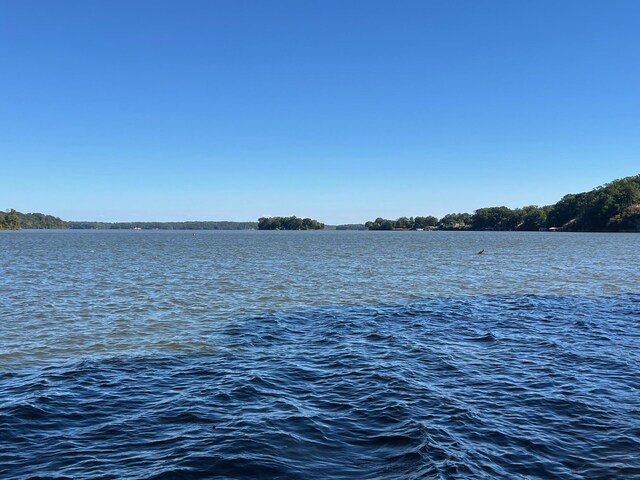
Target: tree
x,y
495,218
423,222
12,220
533,218
455,221
403,222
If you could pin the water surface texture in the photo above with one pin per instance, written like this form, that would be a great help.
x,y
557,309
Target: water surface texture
x,y
365,355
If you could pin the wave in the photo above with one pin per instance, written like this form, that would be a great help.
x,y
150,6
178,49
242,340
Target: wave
x,y
440,388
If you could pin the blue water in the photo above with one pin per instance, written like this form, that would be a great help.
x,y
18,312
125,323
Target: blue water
x,y
319,355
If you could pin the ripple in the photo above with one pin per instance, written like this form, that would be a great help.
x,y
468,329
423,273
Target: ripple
x,y
242,355
404,391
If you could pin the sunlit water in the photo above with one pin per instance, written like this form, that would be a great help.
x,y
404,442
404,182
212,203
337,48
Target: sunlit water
x,y
365,355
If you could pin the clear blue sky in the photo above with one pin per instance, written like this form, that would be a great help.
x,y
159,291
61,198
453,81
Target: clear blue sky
x,y
338,110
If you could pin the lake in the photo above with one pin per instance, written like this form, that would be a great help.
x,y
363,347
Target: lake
x,y
330,354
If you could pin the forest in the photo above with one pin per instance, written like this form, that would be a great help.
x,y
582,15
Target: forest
x,y
13,220
218,225
289,223
613,207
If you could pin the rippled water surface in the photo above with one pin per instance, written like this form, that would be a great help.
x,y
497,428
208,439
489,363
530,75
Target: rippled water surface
x,y
334,355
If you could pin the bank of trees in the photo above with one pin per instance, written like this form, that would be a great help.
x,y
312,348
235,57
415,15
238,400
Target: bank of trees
x,y
201,225
13,220
351,226
612,207
451,221
289,223
9,220
402,223
530,218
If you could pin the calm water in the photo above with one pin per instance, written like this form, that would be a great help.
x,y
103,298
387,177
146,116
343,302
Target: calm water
x,y
333,355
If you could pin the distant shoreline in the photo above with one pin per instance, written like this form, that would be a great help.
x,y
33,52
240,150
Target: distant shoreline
x,y
613,207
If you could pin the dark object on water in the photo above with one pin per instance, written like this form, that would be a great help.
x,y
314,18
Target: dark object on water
x,y
481,252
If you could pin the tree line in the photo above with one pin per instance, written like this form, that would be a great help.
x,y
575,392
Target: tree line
x,y
201,225
13,220
289,223
612,207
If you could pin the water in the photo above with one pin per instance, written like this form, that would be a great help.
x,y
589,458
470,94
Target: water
x,y
334,355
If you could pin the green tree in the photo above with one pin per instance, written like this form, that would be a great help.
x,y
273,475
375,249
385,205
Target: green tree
x,y
12,220
533,218
403,222
423,222
455,221
495,218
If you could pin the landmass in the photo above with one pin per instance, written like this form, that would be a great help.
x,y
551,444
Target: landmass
x,y
612,207
289,223
206,225
13,220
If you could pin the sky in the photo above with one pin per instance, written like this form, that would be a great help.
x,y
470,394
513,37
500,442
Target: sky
x,y
342,111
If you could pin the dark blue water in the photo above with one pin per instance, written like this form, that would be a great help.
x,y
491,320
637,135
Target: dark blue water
x,y
486,387
461,386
